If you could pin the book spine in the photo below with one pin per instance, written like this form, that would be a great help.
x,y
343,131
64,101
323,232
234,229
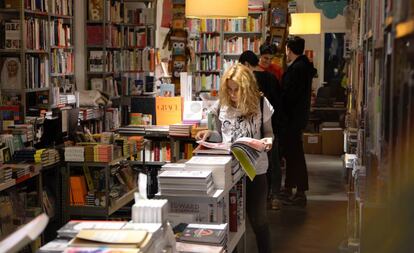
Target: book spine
x,y
233,211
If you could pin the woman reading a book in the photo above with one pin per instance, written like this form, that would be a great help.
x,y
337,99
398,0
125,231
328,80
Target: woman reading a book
x,y
242,112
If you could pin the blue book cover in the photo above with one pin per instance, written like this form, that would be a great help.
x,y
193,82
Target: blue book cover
x,y
167,90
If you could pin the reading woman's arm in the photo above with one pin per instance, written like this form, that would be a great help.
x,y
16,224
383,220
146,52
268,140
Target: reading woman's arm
x,y
210,135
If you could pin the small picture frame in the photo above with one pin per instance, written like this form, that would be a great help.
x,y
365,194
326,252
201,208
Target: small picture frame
x,y
278,17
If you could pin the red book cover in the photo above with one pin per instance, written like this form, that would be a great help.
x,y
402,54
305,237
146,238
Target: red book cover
x,y
233,211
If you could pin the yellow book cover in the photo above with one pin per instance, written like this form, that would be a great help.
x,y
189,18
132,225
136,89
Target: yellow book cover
x,y
111,237
168,110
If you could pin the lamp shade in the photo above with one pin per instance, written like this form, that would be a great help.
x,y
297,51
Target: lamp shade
x,y
305,23
216,9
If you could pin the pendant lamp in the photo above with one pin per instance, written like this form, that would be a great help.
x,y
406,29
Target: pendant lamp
x,y
305,23
216,9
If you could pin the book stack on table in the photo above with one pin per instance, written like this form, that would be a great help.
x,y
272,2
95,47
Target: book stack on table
x,y
186,183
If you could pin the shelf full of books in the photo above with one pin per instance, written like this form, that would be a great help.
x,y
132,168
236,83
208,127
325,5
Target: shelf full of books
x,y
120,46
36,50
218,43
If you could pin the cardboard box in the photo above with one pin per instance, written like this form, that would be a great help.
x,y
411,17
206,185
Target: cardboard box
x,y
312,143
332,141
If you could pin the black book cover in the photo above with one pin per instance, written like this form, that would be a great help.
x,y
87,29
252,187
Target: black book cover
x,y
145,105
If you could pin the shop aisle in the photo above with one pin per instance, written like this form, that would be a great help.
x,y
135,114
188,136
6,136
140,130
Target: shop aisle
x,y
321,226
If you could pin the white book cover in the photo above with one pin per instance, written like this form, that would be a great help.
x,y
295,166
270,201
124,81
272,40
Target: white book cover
x,y
222,160
185,174
193,110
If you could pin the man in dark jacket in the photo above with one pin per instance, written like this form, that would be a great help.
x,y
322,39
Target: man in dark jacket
x,y
296,94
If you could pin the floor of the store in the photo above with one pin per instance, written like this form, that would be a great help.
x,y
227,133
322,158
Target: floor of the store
x,y
321,226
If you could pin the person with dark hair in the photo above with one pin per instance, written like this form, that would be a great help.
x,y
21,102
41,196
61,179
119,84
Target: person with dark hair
x,y
267,52
269,85
295,103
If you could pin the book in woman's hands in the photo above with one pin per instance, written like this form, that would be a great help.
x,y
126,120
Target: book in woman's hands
x,y
246,150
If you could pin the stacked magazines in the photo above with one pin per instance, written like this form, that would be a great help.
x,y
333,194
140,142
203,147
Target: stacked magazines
x,y
89,236
186,183
209,234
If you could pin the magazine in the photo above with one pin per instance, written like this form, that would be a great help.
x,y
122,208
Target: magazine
x,y
246,150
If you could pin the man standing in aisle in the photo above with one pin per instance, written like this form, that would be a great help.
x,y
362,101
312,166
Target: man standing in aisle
x,y
296,94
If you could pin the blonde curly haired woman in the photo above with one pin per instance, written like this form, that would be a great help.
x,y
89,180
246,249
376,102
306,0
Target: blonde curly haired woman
x,y
243,112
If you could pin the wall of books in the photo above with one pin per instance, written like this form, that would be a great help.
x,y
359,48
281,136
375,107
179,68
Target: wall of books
x,y
36,53
379,116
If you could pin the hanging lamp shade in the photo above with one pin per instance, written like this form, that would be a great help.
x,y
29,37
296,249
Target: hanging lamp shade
x,y
216,9
305,23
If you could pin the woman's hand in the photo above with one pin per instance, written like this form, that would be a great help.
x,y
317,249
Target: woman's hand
x,y
203,135
268,143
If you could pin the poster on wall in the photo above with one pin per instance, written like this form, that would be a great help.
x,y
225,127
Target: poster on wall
x,y
334,58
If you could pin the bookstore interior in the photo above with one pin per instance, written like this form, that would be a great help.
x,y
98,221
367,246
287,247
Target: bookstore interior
x,y
102,100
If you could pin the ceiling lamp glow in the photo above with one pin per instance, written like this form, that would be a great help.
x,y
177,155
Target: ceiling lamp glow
x,y
305,23
216,9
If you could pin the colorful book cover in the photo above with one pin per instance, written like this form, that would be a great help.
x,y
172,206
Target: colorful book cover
x,y
168,110
167,90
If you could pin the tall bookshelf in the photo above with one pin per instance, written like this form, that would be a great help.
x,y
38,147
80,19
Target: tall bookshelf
x,y
219,43
380,108
39,37
120,42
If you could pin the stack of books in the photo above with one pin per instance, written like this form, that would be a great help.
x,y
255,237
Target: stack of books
x,y
24,130
22,171
185,247
6,174
150,211
180,130
47,156
209,234
89,153
90,113
67,99
109,236
218,165
186,183
75,154
103,153
24,155
136,144
156,130
124,144
131,130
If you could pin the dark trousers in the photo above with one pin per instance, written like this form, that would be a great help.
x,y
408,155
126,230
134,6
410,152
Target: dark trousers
x,y
256,199
296,170
274,174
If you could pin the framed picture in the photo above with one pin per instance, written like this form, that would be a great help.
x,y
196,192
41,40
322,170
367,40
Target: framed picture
x,y
278,17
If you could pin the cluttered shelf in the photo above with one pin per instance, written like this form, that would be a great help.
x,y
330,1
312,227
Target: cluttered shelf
x,y
102,210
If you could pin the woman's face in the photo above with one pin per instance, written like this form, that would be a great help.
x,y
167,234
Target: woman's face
x,y
12,68
233,90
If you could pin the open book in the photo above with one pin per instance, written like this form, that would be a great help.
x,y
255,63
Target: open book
x,y
246,150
